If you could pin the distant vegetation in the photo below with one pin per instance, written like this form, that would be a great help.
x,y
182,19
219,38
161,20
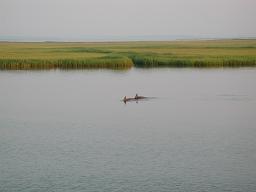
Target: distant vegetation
x,y
214,53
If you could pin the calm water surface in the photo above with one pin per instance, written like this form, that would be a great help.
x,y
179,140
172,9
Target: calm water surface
x,y
68,130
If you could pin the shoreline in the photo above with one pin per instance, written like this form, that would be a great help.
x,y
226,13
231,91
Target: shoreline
x,y
83,55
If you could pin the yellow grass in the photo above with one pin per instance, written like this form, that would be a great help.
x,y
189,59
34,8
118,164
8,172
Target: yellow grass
x,y
214,53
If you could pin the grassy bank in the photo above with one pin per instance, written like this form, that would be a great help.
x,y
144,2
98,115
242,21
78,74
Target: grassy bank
x,y
219,53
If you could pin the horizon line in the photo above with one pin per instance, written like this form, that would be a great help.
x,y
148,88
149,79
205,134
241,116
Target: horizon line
x,y
118,38
122,41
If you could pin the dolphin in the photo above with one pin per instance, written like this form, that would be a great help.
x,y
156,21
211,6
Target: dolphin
x,y
136,98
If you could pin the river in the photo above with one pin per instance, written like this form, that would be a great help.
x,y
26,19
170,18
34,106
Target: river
x,y
69,130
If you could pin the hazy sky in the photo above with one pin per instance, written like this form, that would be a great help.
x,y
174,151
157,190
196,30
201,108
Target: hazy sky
x,y
85,18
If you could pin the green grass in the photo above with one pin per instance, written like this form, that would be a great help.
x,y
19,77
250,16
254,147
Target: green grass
x,y
124,55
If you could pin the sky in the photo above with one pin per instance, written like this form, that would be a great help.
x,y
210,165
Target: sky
x,y
127,19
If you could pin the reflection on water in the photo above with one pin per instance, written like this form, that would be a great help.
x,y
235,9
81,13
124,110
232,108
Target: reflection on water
x,y
69,130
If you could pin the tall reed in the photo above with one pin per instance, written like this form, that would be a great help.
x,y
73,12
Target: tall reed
x,y
221,53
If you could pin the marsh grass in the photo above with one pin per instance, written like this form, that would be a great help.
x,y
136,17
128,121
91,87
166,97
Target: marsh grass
x,y
147,61
221,53
66,63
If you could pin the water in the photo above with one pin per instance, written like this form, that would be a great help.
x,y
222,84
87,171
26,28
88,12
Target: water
x,y
69,131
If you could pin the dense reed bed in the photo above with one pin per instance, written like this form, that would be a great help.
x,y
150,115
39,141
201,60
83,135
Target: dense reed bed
x,y
117,63
158,61
124,55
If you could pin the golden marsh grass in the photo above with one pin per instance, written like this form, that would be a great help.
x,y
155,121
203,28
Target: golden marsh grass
x,y
48,55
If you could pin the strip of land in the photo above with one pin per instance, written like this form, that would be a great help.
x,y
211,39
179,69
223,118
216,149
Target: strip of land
x,y
124,55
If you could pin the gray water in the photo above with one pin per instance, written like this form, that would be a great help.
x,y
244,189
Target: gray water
x,y
68,130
